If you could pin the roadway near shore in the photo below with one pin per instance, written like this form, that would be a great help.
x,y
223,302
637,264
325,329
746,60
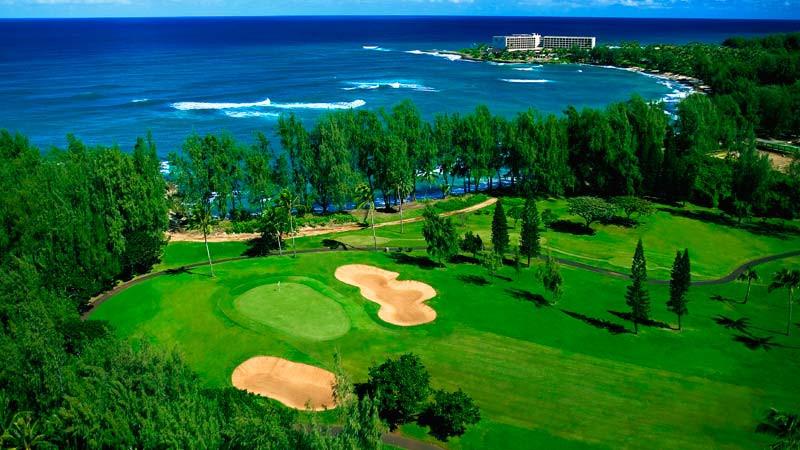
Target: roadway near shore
x,y
196,236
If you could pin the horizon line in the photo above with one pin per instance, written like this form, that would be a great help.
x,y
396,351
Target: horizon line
x,y
455,16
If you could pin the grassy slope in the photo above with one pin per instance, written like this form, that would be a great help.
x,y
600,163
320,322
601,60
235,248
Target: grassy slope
x,y
542,377
717,246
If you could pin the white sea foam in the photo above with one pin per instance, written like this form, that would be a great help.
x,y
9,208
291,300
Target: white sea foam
x,y
250,114
187,106
449,56
332,105
524,80
525,69
140,100
370,85
375,48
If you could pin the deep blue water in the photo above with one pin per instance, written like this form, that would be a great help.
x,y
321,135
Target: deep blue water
x,y
109,80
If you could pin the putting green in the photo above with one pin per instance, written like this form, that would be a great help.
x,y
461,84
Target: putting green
x,y
294,308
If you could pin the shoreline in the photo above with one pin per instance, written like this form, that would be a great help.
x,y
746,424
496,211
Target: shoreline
x,y
695,84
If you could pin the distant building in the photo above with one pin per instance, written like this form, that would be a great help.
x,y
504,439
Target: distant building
x,y
527,42
582,42
517,42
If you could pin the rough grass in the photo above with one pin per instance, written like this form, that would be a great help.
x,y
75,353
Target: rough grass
x,y
570,375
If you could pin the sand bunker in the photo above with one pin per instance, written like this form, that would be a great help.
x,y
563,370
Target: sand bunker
x,y
294,384
402,302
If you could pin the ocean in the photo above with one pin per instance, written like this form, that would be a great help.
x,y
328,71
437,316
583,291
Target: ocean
x,y
108,81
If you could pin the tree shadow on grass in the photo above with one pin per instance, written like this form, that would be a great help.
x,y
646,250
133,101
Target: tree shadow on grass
x,y
528,296
648,323
721,299
620,222
566,226
423,262
755,342
779,230
464,259
740,325
477,280
611,327
177,271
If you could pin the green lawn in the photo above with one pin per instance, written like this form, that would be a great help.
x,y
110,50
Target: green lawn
x,y
716,244
570,375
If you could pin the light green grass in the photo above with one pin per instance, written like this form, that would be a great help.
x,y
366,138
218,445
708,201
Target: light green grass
x,y
716,247
544,376
178,254
292,307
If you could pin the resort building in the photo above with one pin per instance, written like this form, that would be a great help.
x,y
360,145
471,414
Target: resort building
x,y
517,42
527,42
582,42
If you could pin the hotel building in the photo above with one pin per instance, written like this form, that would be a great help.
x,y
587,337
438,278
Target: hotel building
x,y
526,42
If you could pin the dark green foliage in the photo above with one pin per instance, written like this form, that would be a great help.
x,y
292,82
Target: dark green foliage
x,y
472,243
529,245
500,238
401,389
590,209
785,427
631,205
400,386
449,414
550,274
679,283
637,297
440,235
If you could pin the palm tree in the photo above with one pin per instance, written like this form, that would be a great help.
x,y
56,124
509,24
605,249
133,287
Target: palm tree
x,y
789,280
287,201
365,198
784,426
748,275
402,189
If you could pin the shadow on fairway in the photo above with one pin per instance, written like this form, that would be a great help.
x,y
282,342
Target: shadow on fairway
x,y
648,323
779,230
740,325
477,280
423,262
463,259
755,342
611,327
528,296
566,226
721,299
176,271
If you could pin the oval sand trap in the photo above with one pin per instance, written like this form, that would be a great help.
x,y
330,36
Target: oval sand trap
x,y
402,302
294,384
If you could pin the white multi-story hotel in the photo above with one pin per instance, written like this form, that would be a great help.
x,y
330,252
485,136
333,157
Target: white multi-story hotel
x,y
517,42
524,42
582,42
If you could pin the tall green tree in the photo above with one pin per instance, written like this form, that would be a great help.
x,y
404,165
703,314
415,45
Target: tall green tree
x,y
550,275
679,283
365,199
637,297
400,386
500,237
440,235
529,236
749,275
789,280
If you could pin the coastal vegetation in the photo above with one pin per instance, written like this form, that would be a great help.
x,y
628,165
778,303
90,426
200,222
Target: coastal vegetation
x,y
152,365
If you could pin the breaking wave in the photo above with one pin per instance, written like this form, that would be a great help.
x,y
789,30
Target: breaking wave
x,y
140,100
370,85
449,56
523,80
249,114
188,106
375,48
